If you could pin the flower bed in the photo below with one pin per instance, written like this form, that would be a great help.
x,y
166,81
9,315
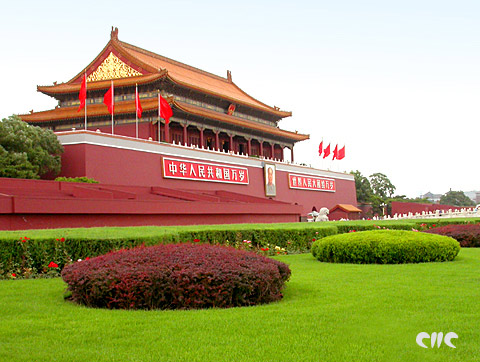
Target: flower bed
x,y
176,276
385,247
468,235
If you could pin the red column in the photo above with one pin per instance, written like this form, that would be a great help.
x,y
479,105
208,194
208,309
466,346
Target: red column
x,y
185,135
261,148
291,150
217,141
202,144
231,143
273,151
249,146
167,132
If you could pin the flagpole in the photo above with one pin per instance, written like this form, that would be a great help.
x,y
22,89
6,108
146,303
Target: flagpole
x,y
323,158
320,151
85,74
113,97
136,113
338,165
332,164
159,124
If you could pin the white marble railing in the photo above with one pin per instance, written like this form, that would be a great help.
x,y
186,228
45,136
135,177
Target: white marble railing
x,y
232,153
438,214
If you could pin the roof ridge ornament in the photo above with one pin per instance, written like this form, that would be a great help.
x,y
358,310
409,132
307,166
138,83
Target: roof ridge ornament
x,y
229,76
114,33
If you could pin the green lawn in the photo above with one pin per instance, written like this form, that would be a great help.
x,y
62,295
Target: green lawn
x,y
145,231
330,312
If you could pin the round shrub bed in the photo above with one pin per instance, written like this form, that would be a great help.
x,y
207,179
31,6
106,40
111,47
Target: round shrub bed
x,y
468,235
176,276
385,247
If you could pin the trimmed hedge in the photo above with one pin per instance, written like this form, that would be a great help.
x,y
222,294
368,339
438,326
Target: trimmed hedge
x,y
467,235
385,247
176,276
294,238
28,257
31,258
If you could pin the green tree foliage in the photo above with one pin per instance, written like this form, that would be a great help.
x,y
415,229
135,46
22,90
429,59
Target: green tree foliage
x,y
381,186
456,198
27,151
376,190
383,191
363,187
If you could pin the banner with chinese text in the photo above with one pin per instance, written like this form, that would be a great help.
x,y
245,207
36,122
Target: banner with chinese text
x,y
202,171
310,183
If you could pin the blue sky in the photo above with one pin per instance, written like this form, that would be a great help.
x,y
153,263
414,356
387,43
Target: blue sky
x,y
397,82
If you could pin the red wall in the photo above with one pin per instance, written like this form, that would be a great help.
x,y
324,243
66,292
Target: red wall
x,y
339,214
129,167
406,207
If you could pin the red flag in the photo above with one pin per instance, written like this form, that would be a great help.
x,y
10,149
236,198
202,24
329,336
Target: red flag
x,y
164,109
326,151
341,153
108,99
82,96
138,106
320,148
335,152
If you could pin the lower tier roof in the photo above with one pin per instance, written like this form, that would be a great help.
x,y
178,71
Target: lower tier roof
x,y
57,115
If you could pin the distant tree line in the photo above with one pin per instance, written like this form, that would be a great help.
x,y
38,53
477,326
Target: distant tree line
x,y
456,198
378,191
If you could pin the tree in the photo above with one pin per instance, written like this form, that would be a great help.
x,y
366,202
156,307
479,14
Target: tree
x,y
456,198
383,190
27,151
377,190
381,186
363,187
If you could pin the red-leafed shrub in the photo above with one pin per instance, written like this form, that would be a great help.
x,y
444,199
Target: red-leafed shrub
x,y
468,235
176,276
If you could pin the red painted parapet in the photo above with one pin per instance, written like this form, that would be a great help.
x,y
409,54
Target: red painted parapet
x,y
120,160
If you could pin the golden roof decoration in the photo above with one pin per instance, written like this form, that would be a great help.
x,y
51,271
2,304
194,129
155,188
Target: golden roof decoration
x,y
112,68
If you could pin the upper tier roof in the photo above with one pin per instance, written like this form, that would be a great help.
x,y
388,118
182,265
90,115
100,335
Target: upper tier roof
x,y
147,66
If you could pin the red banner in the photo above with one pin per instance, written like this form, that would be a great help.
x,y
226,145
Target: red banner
x,y
201,171
310,183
